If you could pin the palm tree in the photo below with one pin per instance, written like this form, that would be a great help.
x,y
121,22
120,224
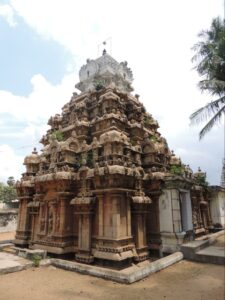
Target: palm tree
x,y
210,58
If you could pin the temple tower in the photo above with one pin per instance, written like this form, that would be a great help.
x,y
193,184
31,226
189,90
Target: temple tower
x,y
105,186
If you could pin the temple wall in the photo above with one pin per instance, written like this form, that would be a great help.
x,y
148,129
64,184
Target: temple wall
x,y
165,212
175,215
217,206
176,212
8,220
186,211
153,224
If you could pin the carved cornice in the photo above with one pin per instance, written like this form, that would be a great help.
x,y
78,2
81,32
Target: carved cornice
x,y
177,182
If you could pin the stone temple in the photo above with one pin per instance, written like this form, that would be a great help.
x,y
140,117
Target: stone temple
x,y
106,187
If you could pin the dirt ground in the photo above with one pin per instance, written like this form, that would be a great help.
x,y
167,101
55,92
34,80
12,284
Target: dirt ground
x,y
184,280
7,235
220,241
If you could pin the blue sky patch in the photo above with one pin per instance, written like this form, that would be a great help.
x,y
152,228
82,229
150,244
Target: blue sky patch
x,y
23,54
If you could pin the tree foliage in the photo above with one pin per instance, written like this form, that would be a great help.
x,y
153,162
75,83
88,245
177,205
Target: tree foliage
x,y
11,181
8,192
210,59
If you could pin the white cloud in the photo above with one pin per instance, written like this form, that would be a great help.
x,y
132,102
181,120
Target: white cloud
x,y
11,163
147,27
32,112
44,100
7,12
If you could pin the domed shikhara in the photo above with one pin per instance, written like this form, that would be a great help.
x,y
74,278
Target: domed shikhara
x,y
102,72
32,162
97,188
32,159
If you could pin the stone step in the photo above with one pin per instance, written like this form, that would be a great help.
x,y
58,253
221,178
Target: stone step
x,y
211,254
5,245
6,242
203,250
9,250
190,249
11,263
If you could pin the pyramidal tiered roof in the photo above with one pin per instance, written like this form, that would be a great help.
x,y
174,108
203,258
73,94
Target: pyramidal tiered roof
x,y
104,128
105,112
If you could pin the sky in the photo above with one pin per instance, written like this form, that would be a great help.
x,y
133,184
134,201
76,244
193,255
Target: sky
x,y
43,44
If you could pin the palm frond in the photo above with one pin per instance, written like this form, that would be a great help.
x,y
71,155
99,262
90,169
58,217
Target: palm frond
x,y
214,86
210,65
210,57
207,111
214,120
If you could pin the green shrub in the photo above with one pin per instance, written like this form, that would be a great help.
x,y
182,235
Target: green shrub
x,y
177,170
153,139
58,135
200,180
36,260
98,85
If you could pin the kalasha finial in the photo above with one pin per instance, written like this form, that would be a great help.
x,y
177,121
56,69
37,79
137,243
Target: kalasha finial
x,y
104,52
34,151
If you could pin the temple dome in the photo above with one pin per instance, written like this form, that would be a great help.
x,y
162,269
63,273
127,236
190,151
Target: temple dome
x,y
200,174
33,158
174,160
104,71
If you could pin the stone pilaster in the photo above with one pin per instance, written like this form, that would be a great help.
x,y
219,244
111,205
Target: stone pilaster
x,y
153,224
140,208
24,223
84,209
114,241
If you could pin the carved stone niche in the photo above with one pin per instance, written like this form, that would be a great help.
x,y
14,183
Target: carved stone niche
x,y
136,131
55,121
84,210
69,148
149,153
23,232
201,210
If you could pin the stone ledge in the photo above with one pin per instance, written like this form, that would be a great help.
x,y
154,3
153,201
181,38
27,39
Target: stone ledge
x,y
11,269
128,275
10,263
6,242
214,255
28,253
215,235
192,250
